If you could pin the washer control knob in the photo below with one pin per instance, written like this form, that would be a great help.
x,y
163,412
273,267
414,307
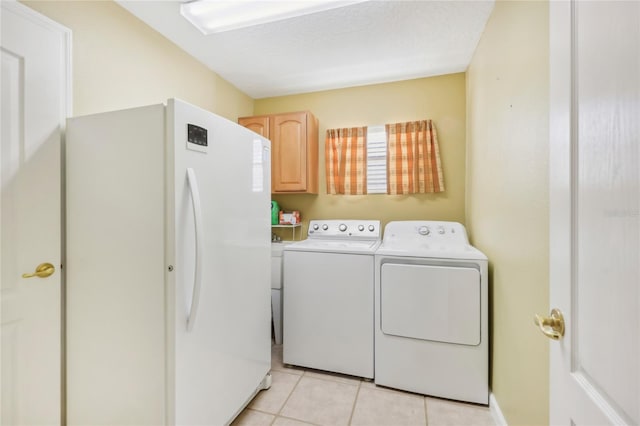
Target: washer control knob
x,y
325,227
316,227
372,228
441,230
360,228
423,230
342,227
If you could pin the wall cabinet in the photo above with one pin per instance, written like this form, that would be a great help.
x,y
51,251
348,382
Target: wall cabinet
x,y
294,149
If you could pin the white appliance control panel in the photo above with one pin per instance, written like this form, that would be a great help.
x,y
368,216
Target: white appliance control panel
x,y
345,229
197,138
425,231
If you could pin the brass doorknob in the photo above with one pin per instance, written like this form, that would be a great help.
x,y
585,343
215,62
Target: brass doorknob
x,y
43,270
551,326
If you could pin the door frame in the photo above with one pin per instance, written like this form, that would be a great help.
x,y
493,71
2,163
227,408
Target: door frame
x,y
66,40
561,182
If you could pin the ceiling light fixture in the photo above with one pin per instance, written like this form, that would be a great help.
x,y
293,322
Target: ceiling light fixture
x,y
214,16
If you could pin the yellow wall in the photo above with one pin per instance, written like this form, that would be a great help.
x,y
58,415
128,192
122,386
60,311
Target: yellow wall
x,y
507,198
120,62
441,99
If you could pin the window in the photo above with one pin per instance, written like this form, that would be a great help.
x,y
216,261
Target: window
x,y
406,161
376,160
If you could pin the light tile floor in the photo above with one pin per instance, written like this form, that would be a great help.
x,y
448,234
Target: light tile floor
x,y
300,397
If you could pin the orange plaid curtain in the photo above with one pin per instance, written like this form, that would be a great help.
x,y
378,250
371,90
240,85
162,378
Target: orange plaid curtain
x,y
413,158
346,161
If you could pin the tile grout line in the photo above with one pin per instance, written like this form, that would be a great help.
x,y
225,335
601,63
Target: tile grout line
x,y
279,413
289,396
355,401
331,378
426,415
275,416
298,420
257,411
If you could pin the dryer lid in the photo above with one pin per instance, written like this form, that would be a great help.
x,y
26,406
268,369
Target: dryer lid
x,y
435,251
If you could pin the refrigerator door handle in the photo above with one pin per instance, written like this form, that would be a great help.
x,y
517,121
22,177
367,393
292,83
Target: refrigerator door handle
x,y
197,219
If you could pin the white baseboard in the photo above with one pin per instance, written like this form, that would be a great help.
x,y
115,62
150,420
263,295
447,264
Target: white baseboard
x,y
498,417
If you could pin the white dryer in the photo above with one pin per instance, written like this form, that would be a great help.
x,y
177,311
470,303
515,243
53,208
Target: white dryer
x,y
431,312
328,297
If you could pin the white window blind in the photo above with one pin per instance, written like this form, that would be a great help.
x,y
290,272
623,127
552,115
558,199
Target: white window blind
x,y
376,160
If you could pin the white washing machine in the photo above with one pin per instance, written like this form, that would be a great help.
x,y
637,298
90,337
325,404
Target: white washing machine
x,y
328,297
431,312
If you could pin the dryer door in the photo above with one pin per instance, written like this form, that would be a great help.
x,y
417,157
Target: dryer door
x,y
437,303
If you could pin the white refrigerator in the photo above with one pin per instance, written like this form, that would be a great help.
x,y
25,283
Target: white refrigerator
x,y
167,267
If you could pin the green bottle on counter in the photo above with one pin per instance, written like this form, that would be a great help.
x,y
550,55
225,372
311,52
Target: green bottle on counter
x,y
275,211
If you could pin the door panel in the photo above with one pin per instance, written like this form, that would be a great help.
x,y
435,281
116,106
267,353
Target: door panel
x,y
595,204
606,353
289,152
34,105
227,352
328,311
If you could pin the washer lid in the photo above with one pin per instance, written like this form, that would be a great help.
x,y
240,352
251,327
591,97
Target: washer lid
x,y
437,251
335,246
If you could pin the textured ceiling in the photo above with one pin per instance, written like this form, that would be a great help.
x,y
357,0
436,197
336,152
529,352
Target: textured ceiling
x,y
365,43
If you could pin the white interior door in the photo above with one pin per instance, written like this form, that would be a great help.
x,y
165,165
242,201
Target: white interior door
x,y
35,102
595,219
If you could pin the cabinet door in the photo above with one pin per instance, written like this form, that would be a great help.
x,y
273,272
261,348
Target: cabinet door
x,y
289,152
260,125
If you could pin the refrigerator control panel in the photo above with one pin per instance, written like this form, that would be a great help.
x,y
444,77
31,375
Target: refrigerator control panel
x,y
197,138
